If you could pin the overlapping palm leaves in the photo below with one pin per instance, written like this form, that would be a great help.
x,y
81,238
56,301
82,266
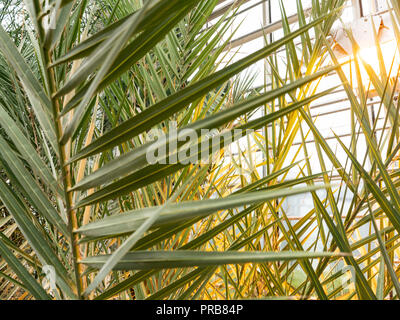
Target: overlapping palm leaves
x,y
76,106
